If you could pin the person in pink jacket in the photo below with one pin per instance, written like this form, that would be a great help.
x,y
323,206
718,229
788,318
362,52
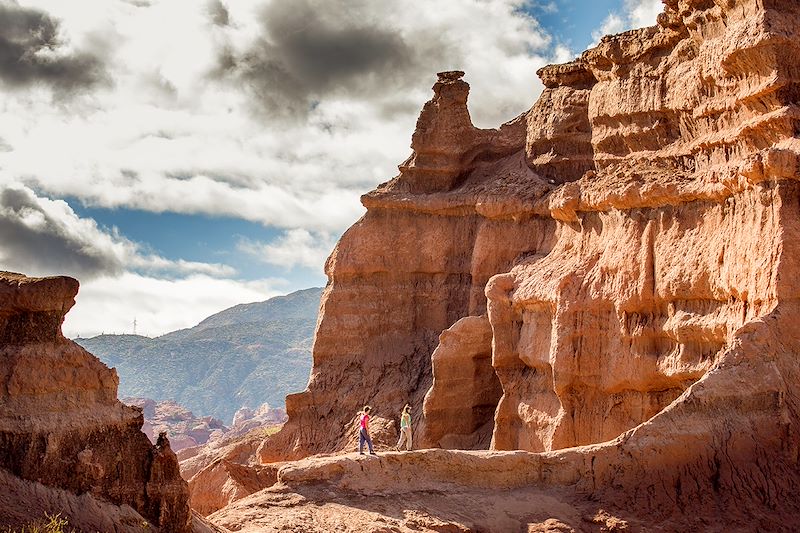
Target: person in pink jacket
x,y
363,432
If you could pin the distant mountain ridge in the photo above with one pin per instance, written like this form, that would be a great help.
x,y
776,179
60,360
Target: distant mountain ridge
x,y
247,355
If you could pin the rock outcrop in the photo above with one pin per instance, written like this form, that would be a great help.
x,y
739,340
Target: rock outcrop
x,y
224,482
183,428
408,270
633,241
224,471
472,491
558,145
459,407
447,146
428,491
247,420
61,425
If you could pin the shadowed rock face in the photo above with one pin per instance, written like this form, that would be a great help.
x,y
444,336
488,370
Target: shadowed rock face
x,y
633,241
33,312
60,422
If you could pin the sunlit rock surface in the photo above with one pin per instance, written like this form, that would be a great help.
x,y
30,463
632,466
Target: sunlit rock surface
x,y
633,243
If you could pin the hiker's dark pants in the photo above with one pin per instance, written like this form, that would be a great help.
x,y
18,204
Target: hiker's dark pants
x,y
363,437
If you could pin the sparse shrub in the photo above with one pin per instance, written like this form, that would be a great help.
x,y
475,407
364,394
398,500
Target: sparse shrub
x,y
272,430
48,524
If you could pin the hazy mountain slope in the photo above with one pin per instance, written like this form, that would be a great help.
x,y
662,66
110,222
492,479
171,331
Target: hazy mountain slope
x,y
246,355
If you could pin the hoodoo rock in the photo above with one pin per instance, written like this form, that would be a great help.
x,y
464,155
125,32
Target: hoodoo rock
x,y
446,145
558,146
62,427
633,243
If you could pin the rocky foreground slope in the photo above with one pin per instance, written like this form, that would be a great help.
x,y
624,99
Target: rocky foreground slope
x,y
67,446
610,282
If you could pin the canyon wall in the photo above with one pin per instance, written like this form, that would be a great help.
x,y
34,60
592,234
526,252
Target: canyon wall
x,y
632,243
676,240
61,425
410,268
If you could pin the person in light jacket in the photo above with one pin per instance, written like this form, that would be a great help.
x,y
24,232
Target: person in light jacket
x,y
405,428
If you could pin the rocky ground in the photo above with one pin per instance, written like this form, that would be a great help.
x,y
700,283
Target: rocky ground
x,y
442,511
439,491
405,492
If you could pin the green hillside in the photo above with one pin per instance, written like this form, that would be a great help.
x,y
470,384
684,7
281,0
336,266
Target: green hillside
x,y
243,356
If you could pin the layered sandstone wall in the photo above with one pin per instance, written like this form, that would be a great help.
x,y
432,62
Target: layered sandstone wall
x,y
399,277
60,422
619,320
459,407
673,243
635,249
558,144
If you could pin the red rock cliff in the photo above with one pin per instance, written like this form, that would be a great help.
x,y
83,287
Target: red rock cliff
x,y
632,242
60,422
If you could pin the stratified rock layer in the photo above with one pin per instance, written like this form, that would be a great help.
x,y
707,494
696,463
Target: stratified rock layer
x,y
558,145
635,249
60,422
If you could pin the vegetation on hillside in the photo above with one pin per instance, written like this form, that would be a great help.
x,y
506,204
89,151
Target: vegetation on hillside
x,y
247,355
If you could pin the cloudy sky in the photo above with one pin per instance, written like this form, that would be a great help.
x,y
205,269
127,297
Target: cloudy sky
x,y
182,156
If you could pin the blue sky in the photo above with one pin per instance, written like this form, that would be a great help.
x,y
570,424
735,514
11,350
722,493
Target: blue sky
x,y
572,23
179,157
201,238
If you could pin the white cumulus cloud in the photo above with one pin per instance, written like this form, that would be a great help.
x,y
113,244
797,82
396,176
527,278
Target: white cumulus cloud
x,y
110,304
120,280
40,236
643,13
635,14
280,112
296,247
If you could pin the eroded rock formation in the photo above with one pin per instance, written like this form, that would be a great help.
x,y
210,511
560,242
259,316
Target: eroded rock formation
x,y
408,270
223,472
633,240
674,244
60,422
558,145
459,407
183,428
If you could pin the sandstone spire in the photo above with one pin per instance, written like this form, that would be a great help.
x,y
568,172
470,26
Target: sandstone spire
x,y
446,144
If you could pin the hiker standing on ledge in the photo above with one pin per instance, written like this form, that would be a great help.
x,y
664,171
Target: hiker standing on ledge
x,y
405,429
363,432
